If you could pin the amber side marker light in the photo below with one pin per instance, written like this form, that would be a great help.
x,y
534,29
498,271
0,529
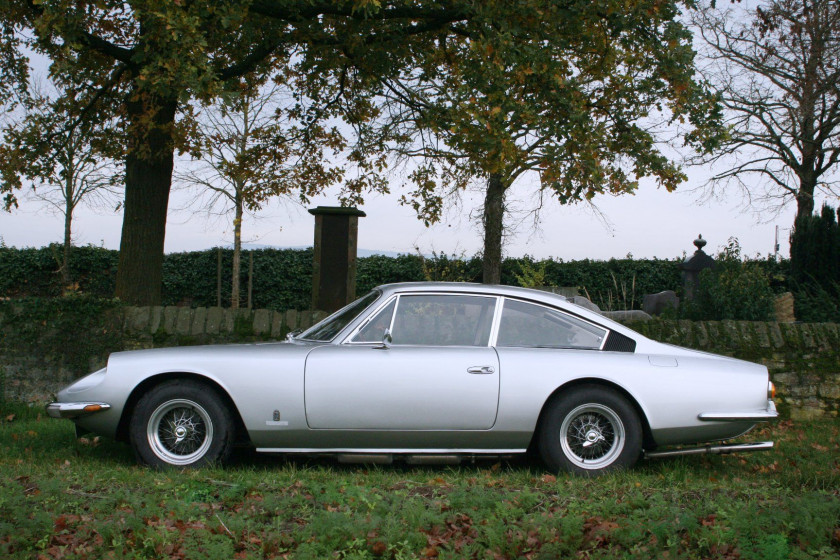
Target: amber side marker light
x,y
93,408
771,390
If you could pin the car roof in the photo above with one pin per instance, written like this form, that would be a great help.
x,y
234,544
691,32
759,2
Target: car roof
x,y
539,296
474,288
534,295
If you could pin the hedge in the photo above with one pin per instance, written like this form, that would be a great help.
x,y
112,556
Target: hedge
x,y
283,277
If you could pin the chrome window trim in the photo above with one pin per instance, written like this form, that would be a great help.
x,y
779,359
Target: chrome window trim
x,y
556,310
497,320
337,336
349,338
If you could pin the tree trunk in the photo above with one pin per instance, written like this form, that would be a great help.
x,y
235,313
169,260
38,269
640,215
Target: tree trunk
x,y
68,219
237,252
493,221
805,197
148,178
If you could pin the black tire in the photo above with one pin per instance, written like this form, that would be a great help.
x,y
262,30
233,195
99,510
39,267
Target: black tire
x,y
590,430
181,423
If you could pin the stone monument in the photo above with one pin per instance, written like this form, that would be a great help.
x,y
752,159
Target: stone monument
x,y
692,267
334,262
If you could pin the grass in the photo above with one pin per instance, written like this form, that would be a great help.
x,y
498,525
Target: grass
x,y
66,498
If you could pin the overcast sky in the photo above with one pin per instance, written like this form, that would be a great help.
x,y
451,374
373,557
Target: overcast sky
x,y
651,223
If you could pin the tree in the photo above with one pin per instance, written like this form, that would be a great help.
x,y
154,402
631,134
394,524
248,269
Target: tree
x,y
242,165
576,107
815,265
777,70
142,62
67,166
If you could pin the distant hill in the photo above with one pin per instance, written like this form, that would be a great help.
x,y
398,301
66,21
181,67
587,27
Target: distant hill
x,y
359,252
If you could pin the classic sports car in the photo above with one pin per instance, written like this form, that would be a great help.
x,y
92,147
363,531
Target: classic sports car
x,y
430,372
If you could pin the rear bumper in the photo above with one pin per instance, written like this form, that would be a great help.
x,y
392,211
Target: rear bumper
x,y
75,409
769,413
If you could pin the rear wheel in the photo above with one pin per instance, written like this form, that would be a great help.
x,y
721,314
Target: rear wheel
x,y
181,423
590,430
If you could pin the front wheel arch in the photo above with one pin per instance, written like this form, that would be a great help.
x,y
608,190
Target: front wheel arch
x,y
648,442
148,384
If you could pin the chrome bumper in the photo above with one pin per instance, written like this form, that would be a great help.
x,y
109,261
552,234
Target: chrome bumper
x,y
762,416
75,409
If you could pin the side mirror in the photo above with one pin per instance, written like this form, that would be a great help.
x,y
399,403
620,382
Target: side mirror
x,y
290,336
386,340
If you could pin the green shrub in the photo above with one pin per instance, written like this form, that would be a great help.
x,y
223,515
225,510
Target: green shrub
x,y
815,266
733,289
817,304
532,273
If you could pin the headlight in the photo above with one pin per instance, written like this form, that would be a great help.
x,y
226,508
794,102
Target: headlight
x,y
87,382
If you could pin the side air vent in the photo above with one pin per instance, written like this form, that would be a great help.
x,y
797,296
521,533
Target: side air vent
x,y
617,342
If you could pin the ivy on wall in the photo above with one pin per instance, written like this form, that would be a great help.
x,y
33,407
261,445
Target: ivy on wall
x,y
70,332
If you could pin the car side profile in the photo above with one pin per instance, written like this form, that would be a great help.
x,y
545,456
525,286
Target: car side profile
x,y
429,372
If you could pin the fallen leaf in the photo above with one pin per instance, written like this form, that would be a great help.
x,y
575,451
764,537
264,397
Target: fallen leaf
x,y
10,418
549,478
709,521
429,552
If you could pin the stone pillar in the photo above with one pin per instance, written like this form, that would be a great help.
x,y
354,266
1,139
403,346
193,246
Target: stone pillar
x,y
692,267
334,264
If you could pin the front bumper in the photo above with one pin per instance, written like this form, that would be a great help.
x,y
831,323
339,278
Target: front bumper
x,y
766,415
75,409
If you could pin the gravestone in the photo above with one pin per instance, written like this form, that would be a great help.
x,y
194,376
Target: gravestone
x,y
692,267
656,304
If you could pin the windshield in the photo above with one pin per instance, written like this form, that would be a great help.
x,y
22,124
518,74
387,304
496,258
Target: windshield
x,y
326,330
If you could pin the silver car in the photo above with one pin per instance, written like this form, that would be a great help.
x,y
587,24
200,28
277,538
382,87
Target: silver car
x,y
429,372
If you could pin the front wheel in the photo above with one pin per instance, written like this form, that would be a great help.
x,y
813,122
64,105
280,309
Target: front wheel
x,y
181,423
590,430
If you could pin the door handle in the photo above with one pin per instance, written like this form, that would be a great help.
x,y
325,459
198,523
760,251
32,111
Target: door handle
x,y
486,370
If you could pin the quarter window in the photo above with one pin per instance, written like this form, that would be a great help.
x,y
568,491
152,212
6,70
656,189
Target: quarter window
x,y
529,325
374,330
332,325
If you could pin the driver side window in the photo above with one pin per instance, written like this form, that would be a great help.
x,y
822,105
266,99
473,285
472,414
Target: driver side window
x,y
433,320
443,320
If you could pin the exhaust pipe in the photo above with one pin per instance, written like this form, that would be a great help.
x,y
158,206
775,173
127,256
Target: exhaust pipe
x,y
711,449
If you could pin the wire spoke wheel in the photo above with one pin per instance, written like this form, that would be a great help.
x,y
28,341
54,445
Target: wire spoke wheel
x,y
592,436
179,431
182,423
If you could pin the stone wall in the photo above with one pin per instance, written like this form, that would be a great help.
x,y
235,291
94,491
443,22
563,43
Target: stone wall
x,y
207,324
33,368
803,359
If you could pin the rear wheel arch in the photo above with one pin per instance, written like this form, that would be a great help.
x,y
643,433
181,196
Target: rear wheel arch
x,y
148,384
557,394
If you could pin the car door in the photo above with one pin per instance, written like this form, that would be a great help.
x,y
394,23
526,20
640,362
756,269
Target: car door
x,y
437,373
